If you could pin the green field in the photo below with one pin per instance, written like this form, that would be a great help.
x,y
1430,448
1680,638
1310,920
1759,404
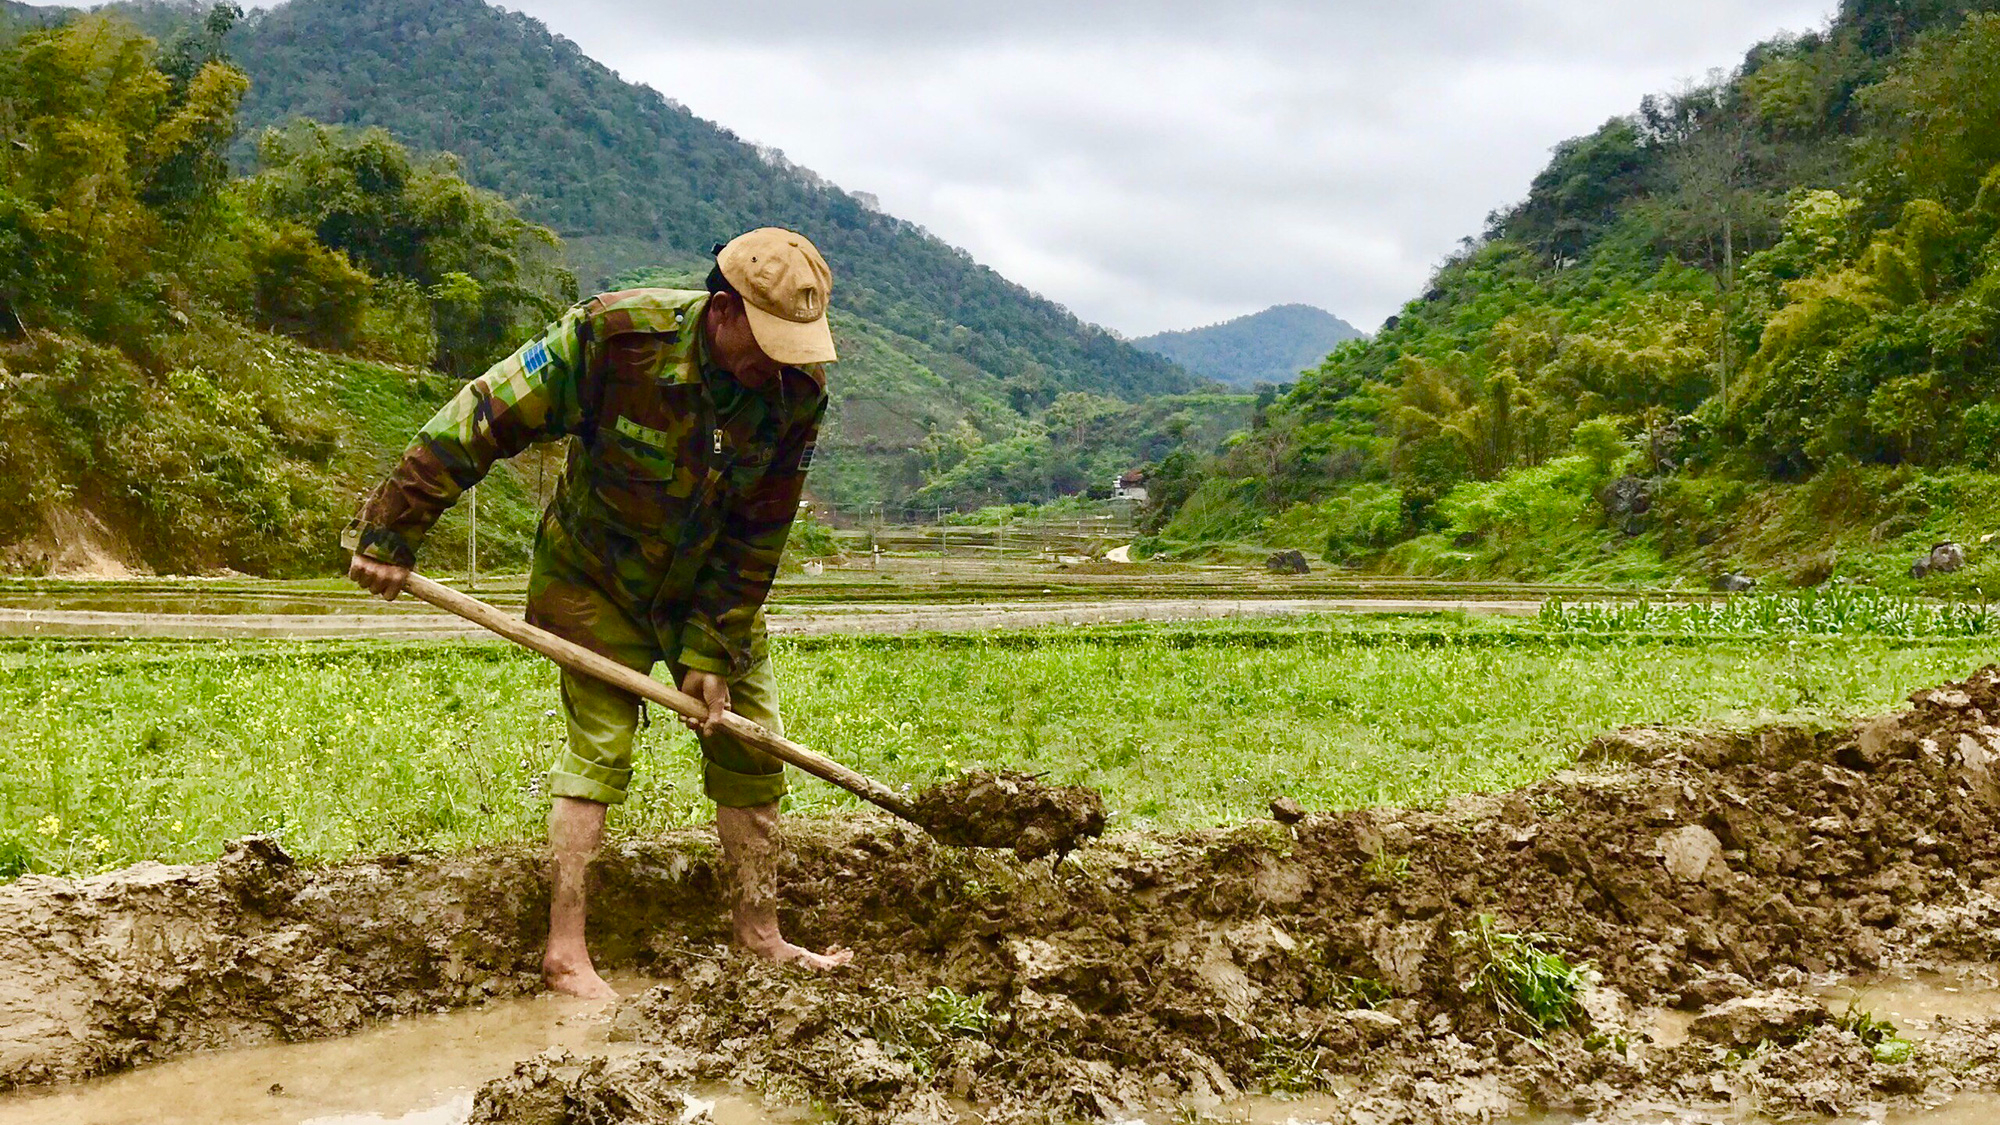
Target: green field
x,y
114,752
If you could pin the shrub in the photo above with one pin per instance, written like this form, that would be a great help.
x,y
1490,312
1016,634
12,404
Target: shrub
x,y
1365,519
809,539
1546,501
1220,509
1982,435
304,289
1599,441
396,326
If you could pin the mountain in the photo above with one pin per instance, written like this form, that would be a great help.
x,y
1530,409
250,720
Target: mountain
x,y
1272,346
15,15
633,179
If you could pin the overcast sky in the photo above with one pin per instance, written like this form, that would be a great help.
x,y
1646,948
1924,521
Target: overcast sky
x,y
1170,163
1166,163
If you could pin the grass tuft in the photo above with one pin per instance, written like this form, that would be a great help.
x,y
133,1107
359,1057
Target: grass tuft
x,y
1878,1035
954,1013
1526,980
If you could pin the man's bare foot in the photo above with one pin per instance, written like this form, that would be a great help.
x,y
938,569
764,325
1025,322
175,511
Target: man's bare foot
x,y
785,953
749,844
575,978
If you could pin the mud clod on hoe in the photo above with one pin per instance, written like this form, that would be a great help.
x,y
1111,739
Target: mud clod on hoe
x,y
1010,809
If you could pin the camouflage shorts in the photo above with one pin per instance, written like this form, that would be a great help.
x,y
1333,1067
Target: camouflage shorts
x,y
596,764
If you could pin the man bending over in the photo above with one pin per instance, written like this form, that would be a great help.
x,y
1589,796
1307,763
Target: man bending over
x,y
694,415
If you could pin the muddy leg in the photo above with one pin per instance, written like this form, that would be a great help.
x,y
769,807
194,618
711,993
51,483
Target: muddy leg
x,y
750,845
576,828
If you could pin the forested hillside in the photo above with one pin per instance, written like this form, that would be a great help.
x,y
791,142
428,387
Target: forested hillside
x,y
621,168
204,366
1753,325
161,397
1272,346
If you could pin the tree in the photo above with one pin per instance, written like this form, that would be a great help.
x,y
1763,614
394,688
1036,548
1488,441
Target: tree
x,y
1937,115
490,274
1572,200
1712,174
305,290
106,164
1884,27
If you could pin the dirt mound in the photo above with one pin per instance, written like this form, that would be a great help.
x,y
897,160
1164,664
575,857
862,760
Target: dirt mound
x,y
73,541
1161,975
1009,809
1369,952
558,1089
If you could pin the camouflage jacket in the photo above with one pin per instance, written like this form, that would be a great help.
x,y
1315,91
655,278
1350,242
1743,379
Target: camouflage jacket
x,y
680,488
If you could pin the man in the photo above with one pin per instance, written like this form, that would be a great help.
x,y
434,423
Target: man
x,y
694,415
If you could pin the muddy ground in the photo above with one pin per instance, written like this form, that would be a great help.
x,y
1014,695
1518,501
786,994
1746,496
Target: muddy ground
x,y
1708,873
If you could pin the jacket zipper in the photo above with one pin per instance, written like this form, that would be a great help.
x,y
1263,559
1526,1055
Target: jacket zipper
x,y
711,457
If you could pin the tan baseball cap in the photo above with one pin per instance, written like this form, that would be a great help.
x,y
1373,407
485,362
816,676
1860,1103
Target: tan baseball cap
x,y
784,284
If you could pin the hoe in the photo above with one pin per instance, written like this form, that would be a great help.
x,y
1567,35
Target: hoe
x,y
978,810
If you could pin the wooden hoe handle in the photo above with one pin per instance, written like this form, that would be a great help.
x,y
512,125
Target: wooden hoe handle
x,y
579,659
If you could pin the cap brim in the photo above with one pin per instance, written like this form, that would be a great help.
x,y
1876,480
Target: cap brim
x,y
789,342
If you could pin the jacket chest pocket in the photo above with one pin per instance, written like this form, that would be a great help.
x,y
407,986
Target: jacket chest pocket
x,y
645,451
649,454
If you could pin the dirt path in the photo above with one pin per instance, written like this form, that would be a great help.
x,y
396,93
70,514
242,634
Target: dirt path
x,y
816,620
1716,874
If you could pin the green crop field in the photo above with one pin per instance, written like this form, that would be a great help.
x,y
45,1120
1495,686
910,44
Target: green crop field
x,y
119,751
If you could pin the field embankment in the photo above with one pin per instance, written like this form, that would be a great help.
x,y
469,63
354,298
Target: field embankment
x,y
1435,966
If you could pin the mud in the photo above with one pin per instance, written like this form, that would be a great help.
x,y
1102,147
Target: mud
x,y
1714,883
423,1068
1147,977
1011,810
109,972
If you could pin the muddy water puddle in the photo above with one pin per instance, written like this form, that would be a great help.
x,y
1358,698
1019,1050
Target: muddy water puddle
x,y
1916,1001
1298,1109
421,1070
